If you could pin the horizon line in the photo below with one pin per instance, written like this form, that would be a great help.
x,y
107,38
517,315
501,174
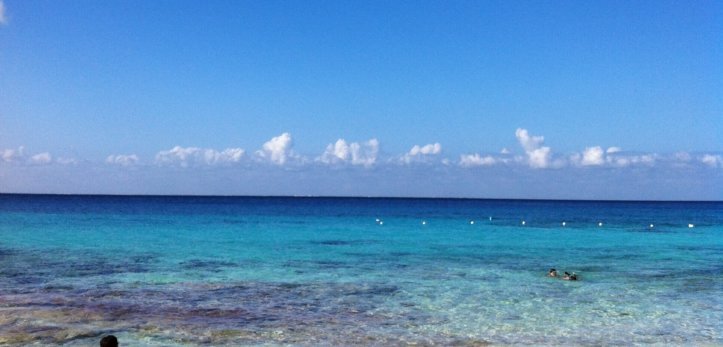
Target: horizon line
x,y
342,197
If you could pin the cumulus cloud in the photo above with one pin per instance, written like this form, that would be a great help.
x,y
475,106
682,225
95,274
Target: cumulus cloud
x,y
277,150
712,160
421,153
538,156
528,143
194,156
3,17
41,158
593,156
432,148
18,156
122,159
355,153
336,152
471,160
614,156
9,155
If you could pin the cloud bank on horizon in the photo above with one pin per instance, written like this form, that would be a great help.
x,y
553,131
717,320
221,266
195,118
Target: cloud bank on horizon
x,y
533,170
366,154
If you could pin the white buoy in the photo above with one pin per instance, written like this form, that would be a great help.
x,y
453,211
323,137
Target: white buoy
x,y
378,220
490,219
381,222
424,222
691,225
564,223
523,222
652,226
599,224
471,222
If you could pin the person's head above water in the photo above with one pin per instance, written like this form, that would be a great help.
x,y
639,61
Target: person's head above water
x,y
109,341
552,273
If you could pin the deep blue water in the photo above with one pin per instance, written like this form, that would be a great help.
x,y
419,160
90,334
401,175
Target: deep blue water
x,y
358,271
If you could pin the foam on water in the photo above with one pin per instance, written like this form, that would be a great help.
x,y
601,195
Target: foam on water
x,y
265,271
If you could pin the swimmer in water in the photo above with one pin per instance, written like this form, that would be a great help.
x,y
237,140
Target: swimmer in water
x,y
569,277
552,273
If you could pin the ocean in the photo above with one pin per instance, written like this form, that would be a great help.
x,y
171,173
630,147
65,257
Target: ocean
x,y
280,271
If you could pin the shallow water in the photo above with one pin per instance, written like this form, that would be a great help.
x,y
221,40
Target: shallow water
x,y
323,271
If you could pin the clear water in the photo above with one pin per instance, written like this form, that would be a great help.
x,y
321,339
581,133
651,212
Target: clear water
x,y
160,271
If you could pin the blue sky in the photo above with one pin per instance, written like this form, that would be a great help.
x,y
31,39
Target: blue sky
x,y
519,99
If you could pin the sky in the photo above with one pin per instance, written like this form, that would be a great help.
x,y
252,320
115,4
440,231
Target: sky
x,y
476,99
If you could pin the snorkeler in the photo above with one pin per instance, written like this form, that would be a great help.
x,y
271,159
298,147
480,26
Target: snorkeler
x,y
552,273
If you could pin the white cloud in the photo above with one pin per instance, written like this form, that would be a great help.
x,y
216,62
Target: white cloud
x,y
504,151
421,153
434,148
593,156
470,160
9,155
528,143
712,160
122,159
338,151
277,150
539,158
41,158
18,156
3,17
228,155
537,155
366,153
354,153
194,156
613,156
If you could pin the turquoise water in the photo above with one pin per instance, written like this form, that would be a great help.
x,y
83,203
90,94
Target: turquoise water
x,y
160,271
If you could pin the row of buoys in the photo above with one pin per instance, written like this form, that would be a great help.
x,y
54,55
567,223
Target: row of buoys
x,y
471,222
